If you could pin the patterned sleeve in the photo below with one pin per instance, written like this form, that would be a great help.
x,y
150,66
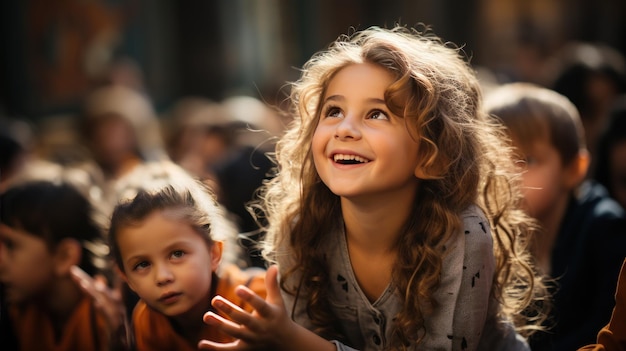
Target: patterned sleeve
x,y
478,268
464,289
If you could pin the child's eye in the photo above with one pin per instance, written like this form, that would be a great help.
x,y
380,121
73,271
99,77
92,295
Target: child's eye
x,y
333,111
141,265
9,244
378,114
178,254
530,160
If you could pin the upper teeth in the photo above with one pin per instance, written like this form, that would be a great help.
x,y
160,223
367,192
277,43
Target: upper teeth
x,y
342,157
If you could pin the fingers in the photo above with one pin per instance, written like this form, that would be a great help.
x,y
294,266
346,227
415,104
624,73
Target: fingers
x,y
271,284
262,307
95,287
210,345
234,312
84,280
250,328
106,300
231,328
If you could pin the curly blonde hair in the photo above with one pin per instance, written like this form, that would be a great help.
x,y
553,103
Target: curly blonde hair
x,y
465,159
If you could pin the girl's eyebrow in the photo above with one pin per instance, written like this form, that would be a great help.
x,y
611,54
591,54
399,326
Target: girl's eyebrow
x,y
133,259
342,98
335,98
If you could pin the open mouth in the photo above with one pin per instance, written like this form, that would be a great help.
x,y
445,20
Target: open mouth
x,y
344,159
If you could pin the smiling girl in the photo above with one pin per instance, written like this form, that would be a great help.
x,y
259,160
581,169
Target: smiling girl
x,y
394,216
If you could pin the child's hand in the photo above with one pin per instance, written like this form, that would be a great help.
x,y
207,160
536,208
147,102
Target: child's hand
x,y
264,328
108,301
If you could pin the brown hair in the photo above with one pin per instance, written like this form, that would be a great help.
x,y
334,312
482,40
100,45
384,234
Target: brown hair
x,y
463,155
532,113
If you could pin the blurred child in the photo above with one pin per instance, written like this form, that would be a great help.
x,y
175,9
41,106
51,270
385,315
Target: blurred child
x,y
198,135
592,76
582,241
610,168
167,241
46,228
121,131
393,218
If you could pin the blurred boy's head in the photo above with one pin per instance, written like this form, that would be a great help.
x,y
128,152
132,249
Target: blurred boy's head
x,y
546,130
45,228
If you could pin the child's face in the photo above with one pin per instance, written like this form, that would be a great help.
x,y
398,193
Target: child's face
x,y
543,178
168,264
112,140
359,147
26,264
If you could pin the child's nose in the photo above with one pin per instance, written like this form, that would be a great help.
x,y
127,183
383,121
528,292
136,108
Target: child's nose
x,y
164,275
348,128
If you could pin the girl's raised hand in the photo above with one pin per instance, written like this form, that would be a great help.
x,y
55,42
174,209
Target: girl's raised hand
x,y
266,328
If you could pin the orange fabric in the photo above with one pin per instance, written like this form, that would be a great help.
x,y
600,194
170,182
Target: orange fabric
x,y
153,331
613,336
34,330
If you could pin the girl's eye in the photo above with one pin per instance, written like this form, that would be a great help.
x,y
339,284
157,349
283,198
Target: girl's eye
x,y
378,114
141,265
333,111
530,160
178,254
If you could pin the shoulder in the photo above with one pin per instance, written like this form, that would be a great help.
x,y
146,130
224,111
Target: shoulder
x,y
151,329
145,317
595,200
475,222
593,214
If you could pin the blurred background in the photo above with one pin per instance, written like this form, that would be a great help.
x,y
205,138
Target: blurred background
x,y
55,51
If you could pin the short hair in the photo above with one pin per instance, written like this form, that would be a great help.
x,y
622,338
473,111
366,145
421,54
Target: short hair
x,y
531,112
53,212
164,185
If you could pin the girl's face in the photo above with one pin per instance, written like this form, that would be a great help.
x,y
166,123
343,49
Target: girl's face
x,y
359,147
26,265
168,264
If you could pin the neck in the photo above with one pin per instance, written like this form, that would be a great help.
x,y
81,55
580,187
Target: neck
x,y
62,299
189,325
120,169
372,231
374,226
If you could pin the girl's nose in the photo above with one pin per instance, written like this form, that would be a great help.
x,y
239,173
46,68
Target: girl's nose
x,y
348,129
163,275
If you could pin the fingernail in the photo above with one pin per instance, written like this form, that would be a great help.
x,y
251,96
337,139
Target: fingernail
x,y
210,319
220,304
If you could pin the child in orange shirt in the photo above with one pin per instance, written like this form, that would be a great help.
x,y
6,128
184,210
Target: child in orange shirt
x,y
166,243
45,229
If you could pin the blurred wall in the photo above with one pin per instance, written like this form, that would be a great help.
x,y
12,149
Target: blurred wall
x,y
53,52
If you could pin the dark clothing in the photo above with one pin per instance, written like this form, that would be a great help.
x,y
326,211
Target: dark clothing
x,y
586,260
613,336
239,178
